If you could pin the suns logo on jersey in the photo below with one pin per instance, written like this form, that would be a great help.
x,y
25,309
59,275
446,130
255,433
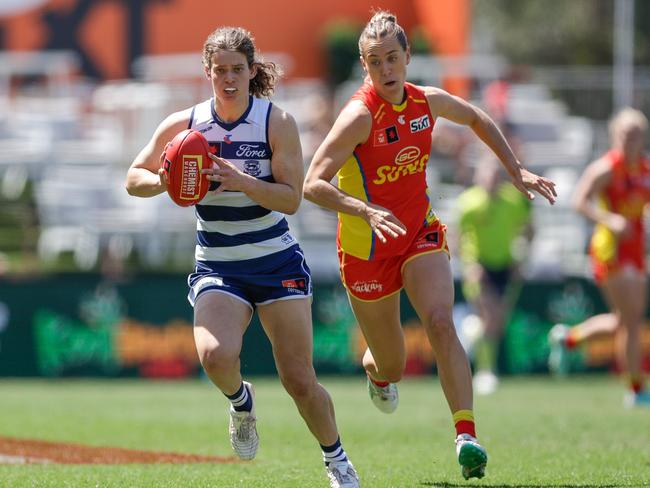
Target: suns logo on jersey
x,y
407,155
409,166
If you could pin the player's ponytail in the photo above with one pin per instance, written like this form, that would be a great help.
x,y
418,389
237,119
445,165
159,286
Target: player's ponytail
x,y
266,76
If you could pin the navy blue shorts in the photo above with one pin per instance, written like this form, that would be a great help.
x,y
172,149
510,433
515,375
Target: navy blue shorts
x,y
497,280
280,276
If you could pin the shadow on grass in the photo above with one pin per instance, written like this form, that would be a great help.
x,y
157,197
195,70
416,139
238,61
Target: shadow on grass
x,y
446,484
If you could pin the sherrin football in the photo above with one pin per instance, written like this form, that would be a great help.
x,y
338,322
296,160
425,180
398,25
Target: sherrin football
x,y
184,158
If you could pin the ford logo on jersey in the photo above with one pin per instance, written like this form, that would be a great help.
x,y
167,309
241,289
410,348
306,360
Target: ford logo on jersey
x,y
244,150
250,151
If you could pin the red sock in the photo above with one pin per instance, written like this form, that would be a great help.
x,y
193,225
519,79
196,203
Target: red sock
x,y
380,384
570,342
466,427
636,385
464,422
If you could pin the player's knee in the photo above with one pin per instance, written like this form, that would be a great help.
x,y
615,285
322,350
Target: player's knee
x,y
298,384
440,323
217,359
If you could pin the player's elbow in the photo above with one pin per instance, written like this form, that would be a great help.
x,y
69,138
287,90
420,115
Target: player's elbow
x,y
292,206
579,205
307,192
130,189
576,206
133,189
310,189
479,121
131,182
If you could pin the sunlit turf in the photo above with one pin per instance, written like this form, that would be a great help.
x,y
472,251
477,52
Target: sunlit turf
x,y
538,432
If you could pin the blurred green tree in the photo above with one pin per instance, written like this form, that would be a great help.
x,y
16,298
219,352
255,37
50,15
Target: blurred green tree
x,y
341,45
559,32
341,40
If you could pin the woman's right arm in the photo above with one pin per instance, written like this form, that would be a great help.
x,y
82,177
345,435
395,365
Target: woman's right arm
x,y
145,178
351,128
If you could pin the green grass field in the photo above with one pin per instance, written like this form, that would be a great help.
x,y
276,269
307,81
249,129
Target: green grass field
x,y
538,432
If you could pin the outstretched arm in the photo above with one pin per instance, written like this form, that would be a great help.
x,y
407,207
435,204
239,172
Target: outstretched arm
x,y
453,108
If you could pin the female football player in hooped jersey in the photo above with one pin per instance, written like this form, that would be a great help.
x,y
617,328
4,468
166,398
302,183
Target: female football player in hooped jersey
x,y
389,237
246,259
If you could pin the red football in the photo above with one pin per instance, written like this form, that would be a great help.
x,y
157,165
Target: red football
x,y
184,158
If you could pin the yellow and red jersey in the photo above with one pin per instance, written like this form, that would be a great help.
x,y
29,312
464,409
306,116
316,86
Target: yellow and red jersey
x,y
389,170
626,194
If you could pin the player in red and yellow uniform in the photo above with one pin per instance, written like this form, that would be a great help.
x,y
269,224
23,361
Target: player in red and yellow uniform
x,y
626,194
389,237
389,169
613,192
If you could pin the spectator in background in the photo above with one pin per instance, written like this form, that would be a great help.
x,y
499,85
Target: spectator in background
x,y
496,96
389,236
246,258
613,192
497,99
318,120
493,215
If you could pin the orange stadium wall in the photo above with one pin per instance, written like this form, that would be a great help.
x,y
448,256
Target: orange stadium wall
x,y
109,34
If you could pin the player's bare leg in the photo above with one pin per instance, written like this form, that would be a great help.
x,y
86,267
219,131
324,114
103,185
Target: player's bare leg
x,y
385,357
429,284
627,293
289,328
428,281
219,325
563,338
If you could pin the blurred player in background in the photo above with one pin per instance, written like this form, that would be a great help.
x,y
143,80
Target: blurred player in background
x,y
493,216
389,236
613,193
246,259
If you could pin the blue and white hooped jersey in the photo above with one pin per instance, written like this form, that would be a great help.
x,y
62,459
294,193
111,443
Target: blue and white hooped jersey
x,y
231,226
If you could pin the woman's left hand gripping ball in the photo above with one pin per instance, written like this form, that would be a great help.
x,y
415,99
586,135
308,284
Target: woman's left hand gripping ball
x,y
226,174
